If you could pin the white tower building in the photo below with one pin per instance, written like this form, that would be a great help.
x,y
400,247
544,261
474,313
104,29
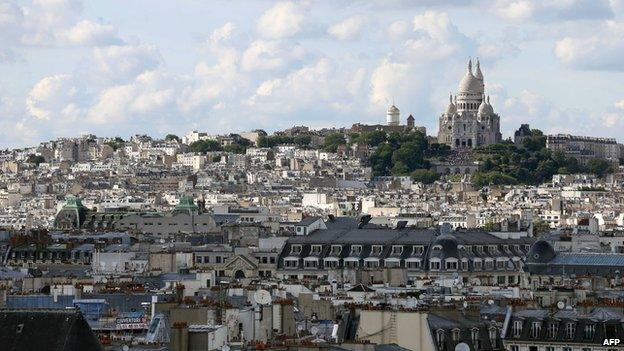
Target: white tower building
x,y
392,116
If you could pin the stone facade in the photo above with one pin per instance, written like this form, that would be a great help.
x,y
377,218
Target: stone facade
x,y
469,120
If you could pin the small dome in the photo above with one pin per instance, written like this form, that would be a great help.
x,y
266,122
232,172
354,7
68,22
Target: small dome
x,y
451,108
541,252
490,108
393,109
484,109
444,246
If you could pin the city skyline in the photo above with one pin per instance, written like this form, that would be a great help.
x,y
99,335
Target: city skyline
x,y
154,68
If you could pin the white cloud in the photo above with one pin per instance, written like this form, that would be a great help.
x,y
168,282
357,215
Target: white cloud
x,y
51,96
90,34
223,33
603,49
119,63
553,10
436,37
349,29
398,29
620,104
283,20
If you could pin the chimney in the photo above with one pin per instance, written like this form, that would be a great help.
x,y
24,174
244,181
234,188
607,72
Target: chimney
x,y
401,225
364,221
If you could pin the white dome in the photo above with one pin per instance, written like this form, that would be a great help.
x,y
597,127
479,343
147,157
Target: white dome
x,y
470,84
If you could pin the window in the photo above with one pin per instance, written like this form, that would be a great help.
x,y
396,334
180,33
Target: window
x,y
570,328
590,330
515,348
440,338
553,329
291,263
376,250
451,265
456,335
565,348
489,265
331,264
550,348
311,263
356,249
397,250
372,264
536,328
316,249
493,334
434,265
352,264
413,264
418,250
478,265
464,265
336,249
500,265
517,329
474,336
392,264
295,249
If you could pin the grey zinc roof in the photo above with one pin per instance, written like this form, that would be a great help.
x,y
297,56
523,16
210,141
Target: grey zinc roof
x,y
592,259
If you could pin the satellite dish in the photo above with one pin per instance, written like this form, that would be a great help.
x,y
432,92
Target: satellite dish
x,y
225,348
490,302
125,348
462,346
262,297
560,305
465,304
455,275
314,330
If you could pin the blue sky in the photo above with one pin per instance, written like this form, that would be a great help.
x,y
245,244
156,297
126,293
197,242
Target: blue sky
x,y
116,67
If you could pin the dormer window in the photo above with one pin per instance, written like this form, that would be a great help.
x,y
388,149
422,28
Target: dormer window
x,y
316,249
536,328
456,335
437,248
590,330
376,250
295,249
356,249
570,328
440,338
493,335
479,249
397,250
517,329
553,329
418,250
474,336
336,249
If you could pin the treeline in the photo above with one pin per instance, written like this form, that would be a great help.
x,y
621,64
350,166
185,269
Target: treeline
x,y
203,146
504,163
302,141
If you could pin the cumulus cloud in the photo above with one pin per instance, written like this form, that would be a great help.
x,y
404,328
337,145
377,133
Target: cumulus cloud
x,y
436,36
349,29
603,49
553,10
90,34
53,97
118,63
283,20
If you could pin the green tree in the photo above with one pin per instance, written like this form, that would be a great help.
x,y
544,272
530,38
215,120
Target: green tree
x,y
116,143
425,176
172,137
598,166
332,142
35,159
204,146
381,160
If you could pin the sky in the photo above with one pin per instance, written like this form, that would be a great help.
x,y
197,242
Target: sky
x,y
125,67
